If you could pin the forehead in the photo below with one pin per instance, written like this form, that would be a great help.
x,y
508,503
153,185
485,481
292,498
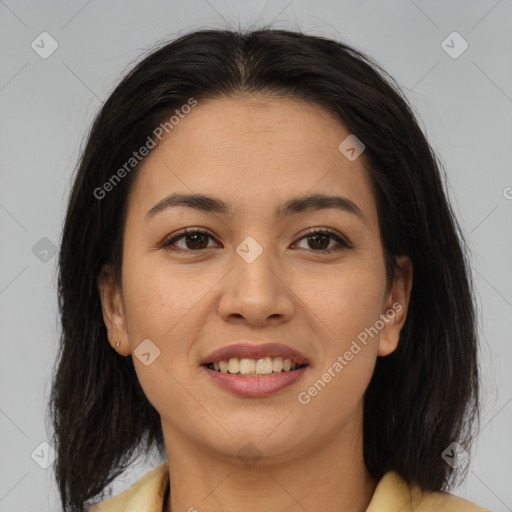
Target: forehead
x,y
253,153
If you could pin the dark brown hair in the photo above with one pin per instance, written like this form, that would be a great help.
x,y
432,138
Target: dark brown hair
x,y
421,398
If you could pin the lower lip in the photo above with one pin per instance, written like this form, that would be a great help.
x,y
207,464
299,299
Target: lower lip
x,y
255,386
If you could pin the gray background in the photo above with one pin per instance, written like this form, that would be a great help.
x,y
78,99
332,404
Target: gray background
x,y
46,106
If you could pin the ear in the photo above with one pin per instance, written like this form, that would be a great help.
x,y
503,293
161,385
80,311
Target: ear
x,y
395,307
112,309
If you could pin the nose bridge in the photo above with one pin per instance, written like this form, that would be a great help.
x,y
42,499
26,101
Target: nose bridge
x,y
255,263
256,288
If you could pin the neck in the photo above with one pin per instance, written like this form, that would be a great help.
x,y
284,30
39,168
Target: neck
x,y
330,476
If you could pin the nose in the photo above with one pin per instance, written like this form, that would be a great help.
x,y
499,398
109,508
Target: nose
x,y
257,292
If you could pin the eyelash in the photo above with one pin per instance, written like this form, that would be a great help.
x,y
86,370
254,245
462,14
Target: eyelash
x,y
343,243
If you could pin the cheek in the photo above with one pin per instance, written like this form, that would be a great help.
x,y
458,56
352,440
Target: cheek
x,y
346,299
348,344
356,308
348,305
157,297
158,304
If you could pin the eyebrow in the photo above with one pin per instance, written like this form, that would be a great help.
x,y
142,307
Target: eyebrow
x,y
296,205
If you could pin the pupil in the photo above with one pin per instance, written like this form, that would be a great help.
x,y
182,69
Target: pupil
x,y
194,236
316,243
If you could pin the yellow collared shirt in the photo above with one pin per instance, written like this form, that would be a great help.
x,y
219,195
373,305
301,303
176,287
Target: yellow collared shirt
x,y
392,494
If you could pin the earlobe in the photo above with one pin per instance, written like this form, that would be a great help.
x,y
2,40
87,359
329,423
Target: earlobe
x,y
396,307
112,311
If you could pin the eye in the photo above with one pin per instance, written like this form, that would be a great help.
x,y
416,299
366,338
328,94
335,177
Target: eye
x,y
194,240
319,240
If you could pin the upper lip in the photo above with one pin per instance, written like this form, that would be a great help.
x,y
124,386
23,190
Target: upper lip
x,y
253,351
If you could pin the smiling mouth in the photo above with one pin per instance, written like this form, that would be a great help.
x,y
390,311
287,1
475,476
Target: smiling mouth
x,y
254,367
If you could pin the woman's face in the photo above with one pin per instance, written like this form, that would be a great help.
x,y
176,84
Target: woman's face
x,y
255,278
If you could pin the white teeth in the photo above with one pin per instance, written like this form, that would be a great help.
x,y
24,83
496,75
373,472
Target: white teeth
x,y
264,366
253,367
247,366
277,364
233,365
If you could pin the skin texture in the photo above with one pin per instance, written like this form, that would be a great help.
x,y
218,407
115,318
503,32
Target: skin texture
x,y
254,154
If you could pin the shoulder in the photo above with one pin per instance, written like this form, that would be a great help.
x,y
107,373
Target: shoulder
x,y
392,493
148,490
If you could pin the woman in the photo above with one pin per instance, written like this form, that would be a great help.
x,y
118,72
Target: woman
x,y
261,276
